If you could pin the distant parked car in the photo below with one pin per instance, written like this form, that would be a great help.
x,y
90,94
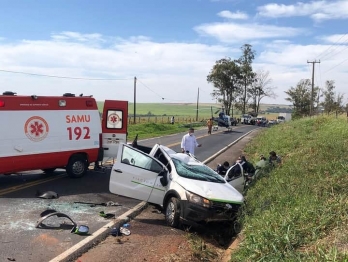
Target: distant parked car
x,y
234,121
261,121
272,122
248,119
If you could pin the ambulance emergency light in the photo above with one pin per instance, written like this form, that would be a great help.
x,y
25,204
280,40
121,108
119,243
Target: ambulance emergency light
x,y
62,103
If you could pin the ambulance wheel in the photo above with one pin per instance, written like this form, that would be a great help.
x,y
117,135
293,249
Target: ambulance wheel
x,y
49,170
77,166
172,212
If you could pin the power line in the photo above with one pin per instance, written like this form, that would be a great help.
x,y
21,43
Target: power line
x,y
330,47
332,53
321,82
65,77
150,89
163,98
335,66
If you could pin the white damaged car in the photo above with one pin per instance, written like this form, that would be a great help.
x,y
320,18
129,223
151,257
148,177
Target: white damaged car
x,y
189,191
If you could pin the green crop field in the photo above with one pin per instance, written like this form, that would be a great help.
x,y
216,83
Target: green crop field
x,y
205,110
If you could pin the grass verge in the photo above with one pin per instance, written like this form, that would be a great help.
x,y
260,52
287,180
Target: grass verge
x,y
298,212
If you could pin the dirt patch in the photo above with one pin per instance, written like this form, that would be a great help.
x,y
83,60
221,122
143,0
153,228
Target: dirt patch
x,y
152,240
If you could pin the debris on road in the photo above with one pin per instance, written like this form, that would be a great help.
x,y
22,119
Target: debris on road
x,y
106,215
106,204
47,195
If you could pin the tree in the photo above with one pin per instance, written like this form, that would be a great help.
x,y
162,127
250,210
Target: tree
x,y
225,76
260,88
332,101
300,97
245,62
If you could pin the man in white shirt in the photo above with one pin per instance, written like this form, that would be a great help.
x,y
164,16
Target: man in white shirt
x,y
189,142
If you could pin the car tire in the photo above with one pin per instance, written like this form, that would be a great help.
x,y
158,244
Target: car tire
x,y
77,166
49,170
237,227
172,212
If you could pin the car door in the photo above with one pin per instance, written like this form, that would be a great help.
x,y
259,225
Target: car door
x,y
235,177
137,175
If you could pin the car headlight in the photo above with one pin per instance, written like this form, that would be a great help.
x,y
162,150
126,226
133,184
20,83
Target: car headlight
x,y
196,199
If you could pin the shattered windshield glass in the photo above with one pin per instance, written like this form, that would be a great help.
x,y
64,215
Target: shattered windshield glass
x,y
197,172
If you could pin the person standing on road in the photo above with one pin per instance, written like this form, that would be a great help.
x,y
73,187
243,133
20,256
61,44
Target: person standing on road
x,y
210,125
189,142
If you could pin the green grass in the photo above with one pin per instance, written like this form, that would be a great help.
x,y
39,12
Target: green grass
x,y
298,212
148,130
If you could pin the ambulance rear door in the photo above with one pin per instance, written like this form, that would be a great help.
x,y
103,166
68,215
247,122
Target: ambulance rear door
x,y
114,126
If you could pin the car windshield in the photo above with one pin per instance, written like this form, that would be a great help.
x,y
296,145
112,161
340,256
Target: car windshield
x,y
281,117
197,172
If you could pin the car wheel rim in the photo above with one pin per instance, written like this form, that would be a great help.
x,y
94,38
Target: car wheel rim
x,y
78,167
170,212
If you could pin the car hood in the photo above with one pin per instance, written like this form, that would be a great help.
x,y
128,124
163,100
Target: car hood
x,y
221,192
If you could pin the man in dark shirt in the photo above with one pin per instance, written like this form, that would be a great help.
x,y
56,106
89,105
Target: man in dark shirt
x,y
221,169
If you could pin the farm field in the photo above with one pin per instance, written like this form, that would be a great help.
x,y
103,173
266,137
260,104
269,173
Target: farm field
x,y
163,111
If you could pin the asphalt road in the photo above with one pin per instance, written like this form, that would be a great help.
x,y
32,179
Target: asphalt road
x,y
210,143
21,209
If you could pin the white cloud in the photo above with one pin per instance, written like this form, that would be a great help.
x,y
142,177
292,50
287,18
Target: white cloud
x,y
317,10
170,70
74,36
288,65
337,38
233,32
282,41
230,15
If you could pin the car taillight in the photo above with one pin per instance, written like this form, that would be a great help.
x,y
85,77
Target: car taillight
x,y
2,103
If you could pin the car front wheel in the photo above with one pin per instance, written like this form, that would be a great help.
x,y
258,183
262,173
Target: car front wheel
x,y
173,212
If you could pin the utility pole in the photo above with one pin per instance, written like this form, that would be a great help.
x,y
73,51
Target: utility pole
x,y
197,105
135,92
312,93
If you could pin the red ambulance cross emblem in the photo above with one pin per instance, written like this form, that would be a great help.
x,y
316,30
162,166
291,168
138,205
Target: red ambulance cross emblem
x,y
36,128
113,119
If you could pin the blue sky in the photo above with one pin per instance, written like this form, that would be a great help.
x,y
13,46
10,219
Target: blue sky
x,y
97,47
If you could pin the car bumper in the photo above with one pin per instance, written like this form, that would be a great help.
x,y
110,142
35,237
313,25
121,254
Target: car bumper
x,y
218,212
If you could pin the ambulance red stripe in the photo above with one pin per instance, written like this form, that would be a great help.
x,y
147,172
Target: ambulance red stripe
x,y
15,164
46,103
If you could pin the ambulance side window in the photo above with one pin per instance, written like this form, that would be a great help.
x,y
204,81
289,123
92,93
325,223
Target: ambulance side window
x,y
114,119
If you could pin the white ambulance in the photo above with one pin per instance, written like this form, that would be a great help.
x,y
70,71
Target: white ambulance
x,y
49,132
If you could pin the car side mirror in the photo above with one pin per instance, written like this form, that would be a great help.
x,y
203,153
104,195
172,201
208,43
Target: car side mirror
x,y
164,177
